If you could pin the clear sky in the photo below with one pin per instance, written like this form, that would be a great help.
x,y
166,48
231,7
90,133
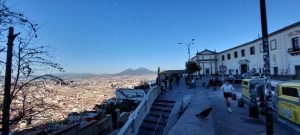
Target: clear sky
x,y
107,36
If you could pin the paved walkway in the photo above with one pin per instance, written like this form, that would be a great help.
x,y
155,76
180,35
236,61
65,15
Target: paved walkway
x,y
188,123
221,122
238,122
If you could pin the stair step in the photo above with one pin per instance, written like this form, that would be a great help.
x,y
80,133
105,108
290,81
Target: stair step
x,y
166,101
160,108
158,113
155,119
151,127
163,104
145,132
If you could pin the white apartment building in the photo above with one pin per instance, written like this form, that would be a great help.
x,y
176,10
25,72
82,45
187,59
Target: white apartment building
x,y
284,55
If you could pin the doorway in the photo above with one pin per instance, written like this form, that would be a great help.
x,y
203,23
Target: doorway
x,y
207,72
244,68
275,69
297,70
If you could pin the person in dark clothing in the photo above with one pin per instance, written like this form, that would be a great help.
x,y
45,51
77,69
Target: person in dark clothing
x,y
214,84
186,80
210,83
170,82
163,86
177,80
218,82
167,82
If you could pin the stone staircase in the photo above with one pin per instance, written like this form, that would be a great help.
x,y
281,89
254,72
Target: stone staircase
x,y
157,118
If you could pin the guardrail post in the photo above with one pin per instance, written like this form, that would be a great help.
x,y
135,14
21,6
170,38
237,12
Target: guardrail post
x,y
110,123
117,111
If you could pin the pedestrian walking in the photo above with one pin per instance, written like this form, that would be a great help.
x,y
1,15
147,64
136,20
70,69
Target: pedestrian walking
x,y
167,83
227,92
170,82
163,86
177,78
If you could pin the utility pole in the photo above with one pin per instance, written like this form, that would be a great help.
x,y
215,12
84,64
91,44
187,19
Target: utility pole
x,y
7,85
266,57
188,46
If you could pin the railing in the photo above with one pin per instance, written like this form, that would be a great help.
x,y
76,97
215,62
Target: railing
x,y
136,118
161,117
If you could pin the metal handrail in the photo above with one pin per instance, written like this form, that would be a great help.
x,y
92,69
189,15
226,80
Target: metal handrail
x,y
162,113
133,115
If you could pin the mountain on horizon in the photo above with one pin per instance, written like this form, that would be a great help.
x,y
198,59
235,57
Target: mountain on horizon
x,y
129,71
134,72
79,75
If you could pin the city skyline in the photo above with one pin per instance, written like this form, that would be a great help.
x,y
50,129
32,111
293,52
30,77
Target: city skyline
x,y
112,35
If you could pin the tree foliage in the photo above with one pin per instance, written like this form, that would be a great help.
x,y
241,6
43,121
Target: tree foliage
x,y
9,17
192,67
29,92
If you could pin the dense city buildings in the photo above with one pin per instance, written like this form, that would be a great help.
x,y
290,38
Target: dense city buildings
x,y
284,55
76,96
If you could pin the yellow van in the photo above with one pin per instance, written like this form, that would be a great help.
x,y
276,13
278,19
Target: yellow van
x,y
275,89
289,101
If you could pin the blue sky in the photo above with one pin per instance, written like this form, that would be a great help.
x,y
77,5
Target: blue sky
x,y
107,36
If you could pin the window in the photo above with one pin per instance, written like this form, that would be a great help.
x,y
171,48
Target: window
x,y
274,58
243,53
290,92
223,58
252,50
228,56
235,54
273,44
275,69
295,43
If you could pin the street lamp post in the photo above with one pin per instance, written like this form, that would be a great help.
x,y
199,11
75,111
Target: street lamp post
x,y
266,57
188,46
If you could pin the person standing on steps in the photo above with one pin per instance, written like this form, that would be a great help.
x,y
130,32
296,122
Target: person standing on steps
x,y
227,90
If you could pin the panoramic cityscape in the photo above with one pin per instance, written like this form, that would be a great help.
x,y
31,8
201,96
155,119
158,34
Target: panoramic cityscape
x,y
131,67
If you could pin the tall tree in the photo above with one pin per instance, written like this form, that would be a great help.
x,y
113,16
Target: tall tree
x,y
30,63
192,67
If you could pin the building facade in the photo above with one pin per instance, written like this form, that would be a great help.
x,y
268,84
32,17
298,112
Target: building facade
x,y
207,60
284,55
